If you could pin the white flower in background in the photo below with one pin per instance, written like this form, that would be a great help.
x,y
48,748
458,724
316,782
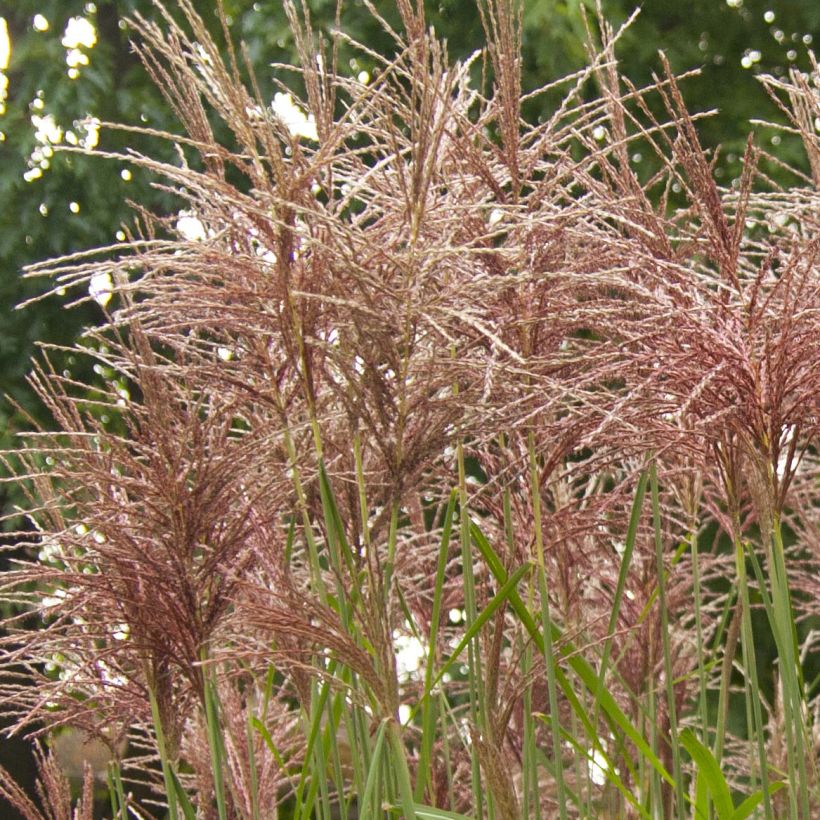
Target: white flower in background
x,y
5,57
191,227
79,32
122,632
295,120
75,58
46,133
50,551
89,133
46,130
92,133
5,44
598,768
100,288
409,654
55,599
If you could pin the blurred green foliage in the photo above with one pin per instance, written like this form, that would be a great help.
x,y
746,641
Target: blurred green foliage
x,y
80,202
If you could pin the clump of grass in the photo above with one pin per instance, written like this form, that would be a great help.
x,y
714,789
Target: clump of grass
x,y
413,428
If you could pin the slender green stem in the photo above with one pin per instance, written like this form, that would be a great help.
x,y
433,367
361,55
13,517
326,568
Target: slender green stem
x,y
254,776
667,653
654,792
401,770
732,635
119,804
428,706
531,800
475,677
703,709
546,626
215,739
785,632
750,668
167,770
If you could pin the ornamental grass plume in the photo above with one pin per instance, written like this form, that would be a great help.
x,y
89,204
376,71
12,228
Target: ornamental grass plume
x,y
54,792
719,352
408,427
146,530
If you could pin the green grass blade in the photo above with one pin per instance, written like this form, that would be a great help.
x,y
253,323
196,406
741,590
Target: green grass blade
x,y
113,798
611,775
400,769
753,693
182,797
167,770
501,597
583,670
313,750
702,665
791,675
428,707
116,792
475,676
709,770
253,769
370,805
542,580
746,808
667,653
626,560
215,741
340,550
265,734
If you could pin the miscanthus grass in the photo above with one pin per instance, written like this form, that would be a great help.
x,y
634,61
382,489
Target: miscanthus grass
x,y
438,464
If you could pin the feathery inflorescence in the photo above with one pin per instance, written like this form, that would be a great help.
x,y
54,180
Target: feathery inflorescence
x,y
372,296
